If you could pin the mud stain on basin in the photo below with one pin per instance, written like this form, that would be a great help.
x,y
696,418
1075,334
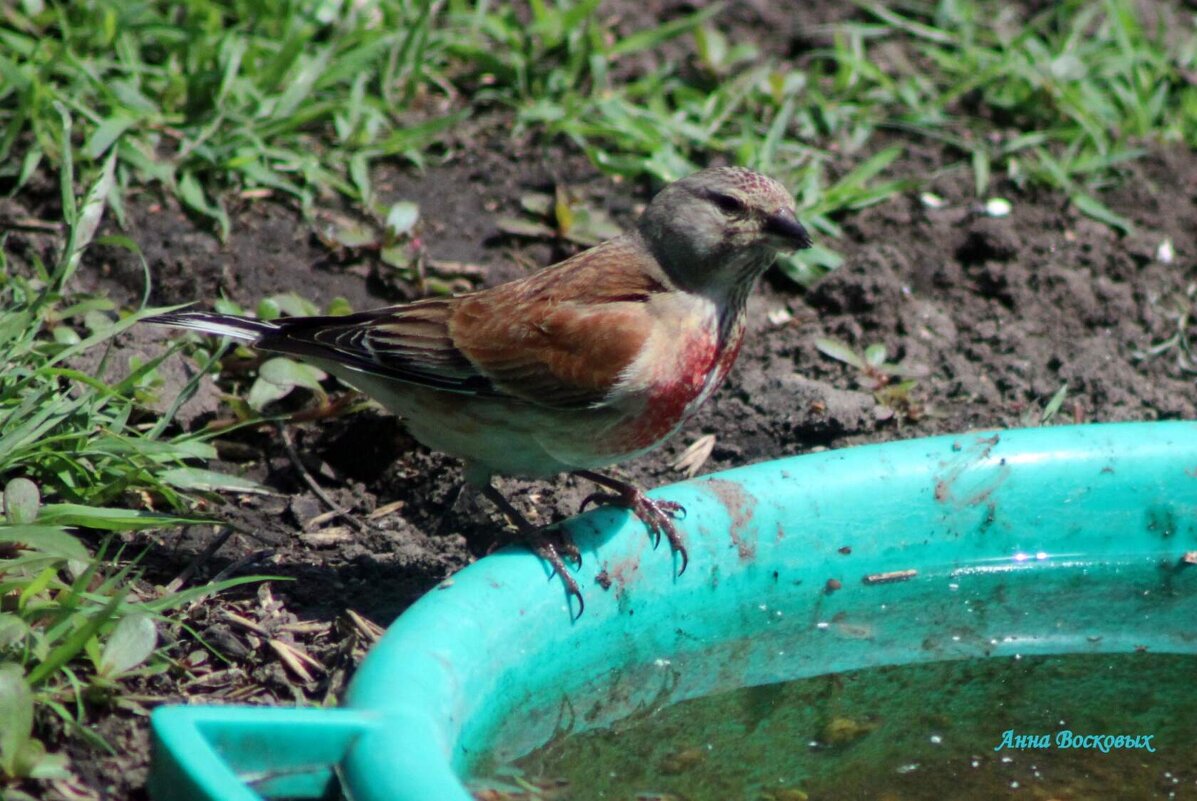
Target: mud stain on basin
x,y
741,507
965,480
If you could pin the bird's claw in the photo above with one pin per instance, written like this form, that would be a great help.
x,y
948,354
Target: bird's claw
x,y
598,499
543,547
612,499
657,515
569,550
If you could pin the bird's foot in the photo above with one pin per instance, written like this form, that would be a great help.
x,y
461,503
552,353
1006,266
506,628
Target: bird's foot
x,y
545,545
657,515
551,549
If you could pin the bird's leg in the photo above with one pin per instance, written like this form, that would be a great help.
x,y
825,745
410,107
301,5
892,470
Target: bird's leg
x,y
535,538
532,534
451,501
657,515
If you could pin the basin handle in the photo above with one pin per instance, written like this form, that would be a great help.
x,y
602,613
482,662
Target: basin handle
x,y
234,753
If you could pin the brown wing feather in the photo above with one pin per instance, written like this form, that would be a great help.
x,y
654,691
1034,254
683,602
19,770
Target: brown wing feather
x,y
618,270
560,337
563,357
563,336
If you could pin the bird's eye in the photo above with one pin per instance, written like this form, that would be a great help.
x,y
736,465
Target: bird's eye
x,y
727,203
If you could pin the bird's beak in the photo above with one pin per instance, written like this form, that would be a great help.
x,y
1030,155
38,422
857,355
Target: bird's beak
x,y
784,226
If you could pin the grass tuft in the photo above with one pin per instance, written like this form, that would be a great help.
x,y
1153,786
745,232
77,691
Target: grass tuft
x,y
75,456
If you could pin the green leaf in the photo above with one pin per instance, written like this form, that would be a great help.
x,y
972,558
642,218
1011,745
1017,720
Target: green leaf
x,y
66,171
91,213
352,234
649,38
75,643
588,226
1092,207
263,393
131,643
197,478
538,204
289,373
278,376
107,132
50,540
711,46
13,630
998,207
402,217
16,717
981,169
563,212
294,305
805,267
110,518
22,499
97,321
873,165
29,165
46,766
338,307
517,226
268,309
397,256
36,586
157,450
192,195
1053,405
840,352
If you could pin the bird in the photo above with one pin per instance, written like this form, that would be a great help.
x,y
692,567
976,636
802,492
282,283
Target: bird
x,y
579,366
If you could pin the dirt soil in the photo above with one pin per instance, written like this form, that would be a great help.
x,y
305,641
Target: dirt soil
x,y
994,313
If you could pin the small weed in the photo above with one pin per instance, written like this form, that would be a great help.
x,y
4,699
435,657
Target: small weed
x,y
877,375
562,216
1182,310
1033,415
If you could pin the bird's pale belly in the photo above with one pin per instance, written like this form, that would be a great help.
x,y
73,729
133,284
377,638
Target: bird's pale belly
x,y
494,436
510,437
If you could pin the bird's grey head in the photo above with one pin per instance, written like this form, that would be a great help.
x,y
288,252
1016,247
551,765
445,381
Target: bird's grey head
x,y
717,230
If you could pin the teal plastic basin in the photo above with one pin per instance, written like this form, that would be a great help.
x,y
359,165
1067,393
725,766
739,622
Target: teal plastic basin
x,y
1041,541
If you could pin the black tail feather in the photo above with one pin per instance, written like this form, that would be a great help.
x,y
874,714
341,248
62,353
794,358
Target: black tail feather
x,y
229,325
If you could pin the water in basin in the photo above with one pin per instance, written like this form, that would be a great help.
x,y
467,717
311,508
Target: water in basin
x,y
1003,727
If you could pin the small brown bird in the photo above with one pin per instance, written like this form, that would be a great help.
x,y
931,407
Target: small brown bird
x,y
595,360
